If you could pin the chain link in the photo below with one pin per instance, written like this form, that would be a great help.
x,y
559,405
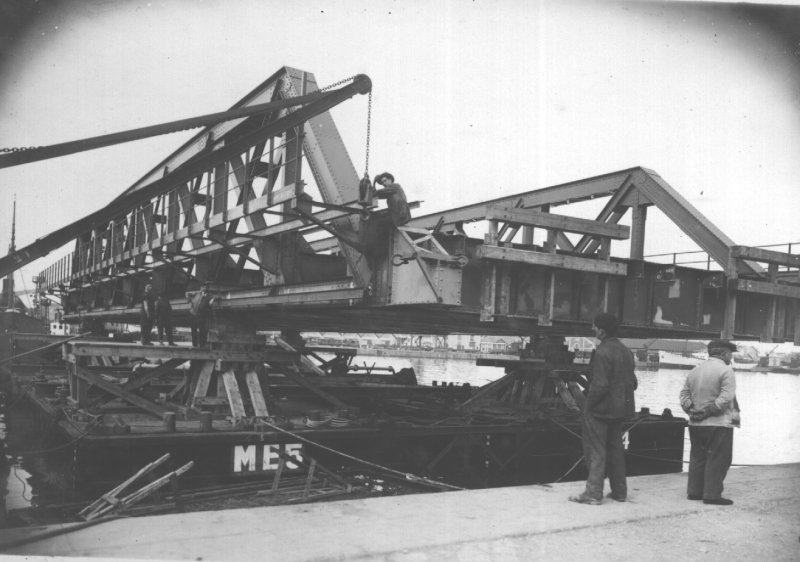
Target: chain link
x,y
339,83
369,116
19,149
369,127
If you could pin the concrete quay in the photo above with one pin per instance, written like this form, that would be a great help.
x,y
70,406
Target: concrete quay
x,y
520,523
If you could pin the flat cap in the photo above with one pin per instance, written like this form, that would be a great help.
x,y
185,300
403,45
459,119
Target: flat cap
x,y
606,321
383,176
721,344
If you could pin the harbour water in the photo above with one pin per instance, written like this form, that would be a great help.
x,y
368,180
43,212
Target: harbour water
x,y
770,432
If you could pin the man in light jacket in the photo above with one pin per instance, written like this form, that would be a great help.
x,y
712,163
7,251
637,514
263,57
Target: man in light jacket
x,y
610,401
709,397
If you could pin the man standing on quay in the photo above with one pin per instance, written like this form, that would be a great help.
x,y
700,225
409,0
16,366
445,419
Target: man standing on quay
x,y
709,397
610,401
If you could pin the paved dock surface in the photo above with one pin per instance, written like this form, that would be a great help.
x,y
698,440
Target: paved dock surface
x,y
520,523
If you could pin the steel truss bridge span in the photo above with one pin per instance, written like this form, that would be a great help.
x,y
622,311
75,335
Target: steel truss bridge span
x,y
265,209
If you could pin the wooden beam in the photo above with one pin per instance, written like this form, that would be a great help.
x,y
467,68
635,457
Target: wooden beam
x,y
95,349
529,217
307,363
638,222
551,260
118,391
765,288
143,379
488,292
256,394
293,373
767,256
203,381
729,319
234,395
768,333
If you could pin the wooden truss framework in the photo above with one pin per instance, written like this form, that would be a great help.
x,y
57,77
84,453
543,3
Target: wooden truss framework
x,y
202,379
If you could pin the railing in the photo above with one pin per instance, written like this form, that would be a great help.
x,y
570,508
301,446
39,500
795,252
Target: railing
x,y
712,265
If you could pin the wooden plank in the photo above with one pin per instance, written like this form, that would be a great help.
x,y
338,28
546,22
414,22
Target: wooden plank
x,y
116,390
293,373
768,333
530,217
638,222
565,394
489,389
729,318
93,348
304,361
797,323
766,256
234,396
116,490
203,380
551,260
143,379
765,288
256,394
488,292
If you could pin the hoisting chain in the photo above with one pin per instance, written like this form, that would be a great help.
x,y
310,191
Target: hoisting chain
x,y
19,149
369,116
369,127
339,83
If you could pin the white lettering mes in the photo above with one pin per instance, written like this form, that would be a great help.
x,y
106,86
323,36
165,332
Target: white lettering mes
x,y
246,457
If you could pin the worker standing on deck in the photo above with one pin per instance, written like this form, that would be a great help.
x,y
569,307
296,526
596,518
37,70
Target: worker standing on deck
x,y
395,198
200,310
147,313
164,318
610,401
709,397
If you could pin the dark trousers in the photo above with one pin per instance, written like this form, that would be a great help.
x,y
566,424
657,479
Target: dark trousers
x,y
146,328
604,454
165,325
711,456
199,333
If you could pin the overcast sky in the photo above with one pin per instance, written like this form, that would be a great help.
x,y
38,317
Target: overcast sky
x,y
472,100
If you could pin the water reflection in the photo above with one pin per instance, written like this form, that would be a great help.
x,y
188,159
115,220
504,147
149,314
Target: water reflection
x,y
770,432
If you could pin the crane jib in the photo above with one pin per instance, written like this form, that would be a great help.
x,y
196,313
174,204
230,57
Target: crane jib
x,y
319,102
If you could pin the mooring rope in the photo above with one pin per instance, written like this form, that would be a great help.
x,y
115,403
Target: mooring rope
x,y
406,475
49,345
86,432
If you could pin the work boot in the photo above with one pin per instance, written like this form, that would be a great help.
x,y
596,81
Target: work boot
x,y
611,496
717,501
583,498
693,497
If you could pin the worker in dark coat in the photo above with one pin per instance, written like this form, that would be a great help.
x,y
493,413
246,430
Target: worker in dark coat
x,y
610,401
200,312
709,397
395,198
164,318
375,234
147,313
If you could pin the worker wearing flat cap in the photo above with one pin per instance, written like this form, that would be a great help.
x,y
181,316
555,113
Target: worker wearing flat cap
x,y
709,397
395,198
610,401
